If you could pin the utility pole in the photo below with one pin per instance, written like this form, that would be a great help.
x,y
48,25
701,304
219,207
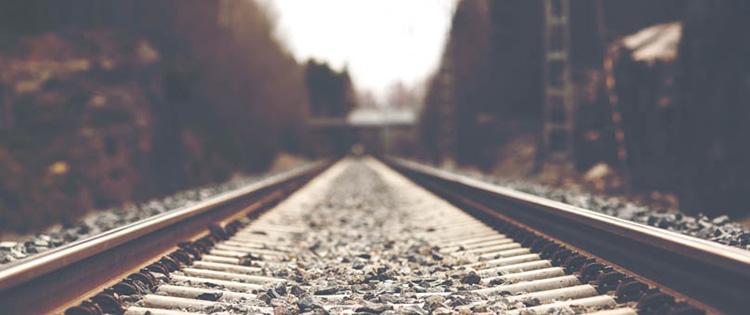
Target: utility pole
x,y
447,110
558,132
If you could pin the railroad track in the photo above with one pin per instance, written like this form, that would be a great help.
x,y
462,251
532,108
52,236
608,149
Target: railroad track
x,y
361,238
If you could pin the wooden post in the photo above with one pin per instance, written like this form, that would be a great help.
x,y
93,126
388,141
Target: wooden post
x,y
6,108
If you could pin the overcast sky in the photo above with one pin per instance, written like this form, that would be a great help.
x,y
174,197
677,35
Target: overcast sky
x,y
381,41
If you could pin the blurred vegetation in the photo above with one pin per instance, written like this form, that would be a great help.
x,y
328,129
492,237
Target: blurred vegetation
x,y
104,102
331,92
684,120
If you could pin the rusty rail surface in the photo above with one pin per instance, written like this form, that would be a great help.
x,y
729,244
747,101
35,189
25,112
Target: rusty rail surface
x,y
49,281
707,274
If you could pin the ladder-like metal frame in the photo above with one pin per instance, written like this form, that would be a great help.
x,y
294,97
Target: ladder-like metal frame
x,y
559,104
447,107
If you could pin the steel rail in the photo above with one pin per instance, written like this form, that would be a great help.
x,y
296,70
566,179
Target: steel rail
x,y
42,283
710,273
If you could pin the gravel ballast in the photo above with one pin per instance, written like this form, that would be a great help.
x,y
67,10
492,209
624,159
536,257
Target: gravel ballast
x,y
362,239
104,220
719,229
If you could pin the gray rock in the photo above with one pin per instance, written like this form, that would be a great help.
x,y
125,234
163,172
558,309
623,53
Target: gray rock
x,y
111,218
719,229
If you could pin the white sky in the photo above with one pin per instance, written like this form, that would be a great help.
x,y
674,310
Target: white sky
x,y
381,41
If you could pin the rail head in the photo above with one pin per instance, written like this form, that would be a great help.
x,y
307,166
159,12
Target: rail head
x,y
25,270
727,256
710,273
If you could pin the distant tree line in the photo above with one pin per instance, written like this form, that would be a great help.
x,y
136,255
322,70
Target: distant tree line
x,y
331,92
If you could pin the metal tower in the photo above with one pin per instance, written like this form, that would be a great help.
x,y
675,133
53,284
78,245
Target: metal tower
x,y
559,104
447,110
